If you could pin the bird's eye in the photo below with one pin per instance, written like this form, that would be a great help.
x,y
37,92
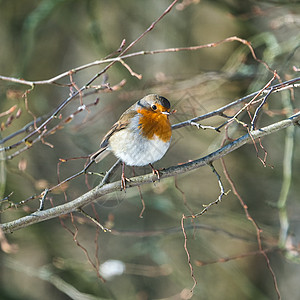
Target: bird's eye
x,y
154,107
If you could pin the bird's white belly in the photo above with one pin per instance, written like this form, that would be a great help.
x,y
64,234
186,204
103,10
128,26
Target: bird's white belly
x,y
136,150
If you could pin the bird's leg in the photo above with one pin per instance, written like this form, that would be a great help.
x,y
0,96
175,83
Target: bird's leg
x,y
123,178
155,171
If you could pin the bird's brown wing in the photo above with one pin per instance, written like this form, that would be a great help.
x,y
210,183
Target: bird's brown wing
x,y
121,124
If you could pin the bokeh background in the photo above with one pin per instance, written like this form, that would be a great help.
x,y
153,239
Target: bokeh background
x,y
40,39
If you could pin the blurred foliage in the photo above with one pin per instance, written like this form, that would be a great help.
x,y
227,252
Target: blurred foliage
x,y
41,39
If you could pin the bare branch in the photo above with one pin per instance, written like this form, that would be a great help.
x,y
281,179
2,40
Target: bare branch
x,y
104,189
120,58
218,112
78,92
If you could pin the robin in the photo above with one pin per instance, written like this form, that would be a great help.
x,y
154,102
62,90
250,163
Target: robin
x,y
141,136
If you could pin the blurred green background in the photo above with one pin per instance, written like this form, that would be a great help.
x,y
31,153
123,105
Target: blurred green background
x,y
40,39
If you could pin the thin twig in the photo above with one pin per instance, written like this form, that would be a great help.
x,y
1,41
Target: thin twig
x,y
183,196
93,220
199,263
188,254
255,116
42,200
248,104
222,192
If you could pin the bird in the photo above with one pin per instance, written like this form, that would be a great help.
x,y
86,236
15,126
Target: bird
x,y
141,136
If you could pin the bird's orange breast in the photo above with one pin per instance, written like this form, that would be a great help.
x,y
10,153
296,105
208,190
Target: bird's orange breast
x,y
152,123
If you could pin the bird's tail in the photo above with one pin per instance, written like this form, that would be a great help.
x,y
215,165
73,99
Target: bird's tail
x,y
99,155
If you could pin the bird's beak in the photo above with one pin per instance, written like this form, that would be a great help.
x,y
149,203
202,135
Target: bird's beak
x,y
165,113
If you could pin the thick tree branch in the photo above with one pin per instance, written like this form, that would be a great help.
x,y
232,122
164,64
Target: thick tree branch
x,y
104,189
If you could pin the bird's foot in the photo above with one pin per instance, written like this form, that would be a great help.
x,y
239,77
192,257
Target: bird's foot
x,y
155,172
124,179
